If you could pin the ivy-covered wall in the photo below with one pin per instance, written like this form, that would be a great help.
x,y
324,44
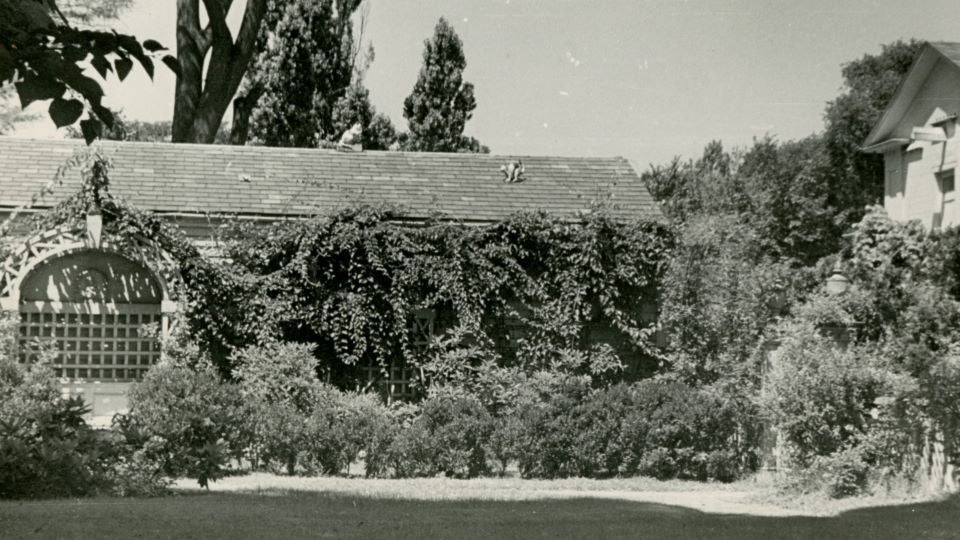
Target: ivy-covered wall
x,y
533,290
574,293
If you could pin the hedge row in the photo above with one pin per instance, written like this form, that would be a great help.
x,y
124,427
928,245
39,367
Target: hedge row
x,y
198,423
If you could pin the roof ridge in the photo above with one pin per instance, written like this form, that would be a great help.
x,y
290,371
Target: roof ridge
x,y
313,151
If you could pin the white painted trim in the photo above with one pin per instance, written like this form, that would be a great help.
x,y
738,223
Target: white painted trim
x,y
91,308
66,249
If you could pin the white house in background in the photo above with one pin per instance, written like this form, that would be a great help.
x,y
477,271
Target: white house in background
x,y
917,137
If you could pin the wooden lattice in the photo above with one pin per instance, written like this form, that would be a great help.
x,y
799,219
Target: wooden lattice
x,y
396,381
137,248
92,346
34,248
91,341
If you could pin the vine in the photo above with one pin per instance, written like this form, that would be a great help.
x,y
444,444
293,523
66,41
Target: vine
x,y
529,290
351,281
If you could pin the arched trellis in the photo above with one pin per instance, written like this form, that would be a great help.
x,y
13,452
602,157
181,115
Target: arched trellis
x,y
54,243
97,341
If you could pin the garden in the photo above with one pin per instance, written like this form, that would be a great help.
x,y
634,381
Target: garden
x,y
543,362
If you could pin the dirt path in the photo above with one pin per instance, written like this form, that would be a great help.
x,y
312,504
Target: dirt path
x,y
721,500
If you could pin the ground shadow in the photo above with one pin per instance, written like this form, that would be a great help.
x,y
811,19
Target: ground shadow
x,y
320,515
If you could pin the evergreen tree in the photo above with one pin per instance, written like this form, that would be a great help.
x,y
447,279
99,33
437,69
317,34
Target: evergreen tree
x,y
305,86
441,102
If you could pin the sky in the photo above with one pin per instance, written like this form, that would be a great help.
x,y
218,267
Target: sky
x,y
644,79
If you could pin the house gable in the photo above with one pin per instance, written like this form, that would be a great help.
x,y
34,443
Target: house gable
x,y
932,81
917,137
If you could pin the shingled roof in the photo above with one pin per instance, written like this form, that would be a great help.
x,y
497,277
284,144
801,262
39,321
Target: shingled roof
x,y
281,182
933,54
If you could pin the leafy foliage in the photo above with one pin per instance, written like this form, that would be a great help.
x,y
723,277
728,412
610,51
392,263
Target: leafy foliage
x,y
869,85
43,54
819,395
720,294
303,86
46,447
185,418
352,281
664,430
441,103
862,376
449,436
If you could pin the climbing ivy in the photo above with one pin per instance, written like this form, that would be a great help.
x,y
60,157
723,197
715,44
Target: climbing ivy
x,y
529,289
352,281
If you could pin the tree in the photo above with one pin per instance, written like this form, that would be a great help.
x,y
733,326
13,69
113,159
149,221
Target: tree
x,y
201,101
355,108
305,84
441,102
45,56
380,134
124,129
92,13
687,188
869,85
789,199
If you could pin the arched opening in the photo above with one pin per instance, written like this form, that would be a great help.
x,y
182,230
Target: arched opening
x,y
89,305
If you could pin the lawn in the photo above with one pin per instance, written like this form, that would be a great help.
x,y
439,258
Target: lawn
x,y
325,515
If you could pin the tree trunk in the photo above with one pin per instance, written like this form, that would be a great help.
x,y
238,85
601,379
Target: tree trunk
x,y
200,103
190,53
242,109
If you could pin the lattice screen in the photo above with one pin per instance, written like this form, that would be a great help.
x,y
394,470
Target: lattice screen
x,y
397,384
102,346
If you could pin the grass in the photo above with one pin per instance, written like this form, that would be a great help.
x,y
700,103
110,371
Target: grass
x,y
325,515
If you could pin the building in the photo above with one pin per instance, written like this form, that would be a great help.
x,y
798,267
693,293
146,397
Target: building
x,y
917,137
90,294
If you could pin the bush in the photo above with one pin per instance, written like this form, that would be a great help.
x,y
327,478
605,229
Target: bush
x,y
674,430
291,411
819,395
843,473
600,446
187,420
277,372
449,436
548,447
664,430
504,443
46,447
368,428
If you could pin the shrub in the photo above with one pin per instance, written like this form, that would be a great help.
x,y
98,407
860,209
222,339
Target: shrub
x,y
818,395
548,447
673,430
323,447
277,372
449,436
665,430
186,419
504,443
368,427
46,447
291,411
600,447
844,473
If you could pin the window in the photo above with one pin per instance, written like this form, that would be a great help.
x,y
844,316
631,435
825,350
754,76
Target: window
x,y
946,215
